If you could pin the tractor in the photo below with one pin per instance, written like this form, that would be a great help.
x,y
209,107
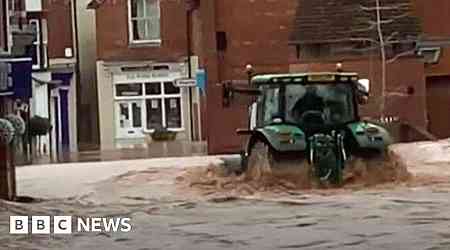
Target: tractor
x,y
310,123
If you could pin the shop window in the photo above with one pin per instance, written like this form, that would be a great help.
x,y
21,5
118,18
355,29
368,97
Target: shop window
x,y
123,90
153,104
169,88
136,108
153,88
173,112
144,21
154,114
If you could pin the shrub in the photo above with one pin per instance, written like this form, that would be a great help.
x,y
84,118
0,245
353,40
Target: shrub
x,y
18,124
6,131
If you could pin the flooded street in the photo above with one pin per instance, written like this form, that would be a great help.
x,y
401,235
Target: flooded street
x,y
169,213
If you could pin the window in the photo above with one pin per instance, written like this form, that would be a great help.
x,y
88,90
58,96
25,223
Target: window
x,y
129,89
144,21
161,104
38,50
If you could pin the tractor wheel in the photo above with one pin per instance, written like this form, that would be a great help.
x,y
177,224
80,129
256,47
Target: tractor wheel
x,y
269,168
259,162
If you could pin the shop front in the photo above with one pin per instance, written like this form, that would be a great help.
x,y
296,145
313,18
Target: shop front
x,y
144,100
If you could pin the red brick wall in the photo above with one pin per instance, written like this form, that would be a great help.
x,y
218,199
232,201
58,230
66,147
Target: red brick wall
x,y
435,21
113,40
59,22
400,75
257,33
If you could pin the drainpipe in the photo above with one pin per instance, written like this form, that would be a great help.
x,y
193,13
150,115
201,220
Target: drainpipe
x,y
77,70
189,54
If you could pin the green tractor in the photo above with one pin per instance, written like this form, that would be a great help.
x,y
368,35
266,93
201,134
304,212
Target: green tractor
x,y
309,123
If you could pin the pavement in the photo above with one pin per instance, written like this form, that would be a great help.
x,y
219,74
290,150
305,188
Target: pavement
x,y
152,150
165,215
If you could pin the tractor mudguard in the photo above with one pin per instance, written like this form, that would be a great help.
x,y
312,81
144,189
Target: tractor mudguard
x,y
282,138
370,136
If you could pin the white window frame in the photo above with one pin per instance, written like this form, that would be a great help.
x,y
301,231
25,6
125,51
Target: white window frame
x,y
40,43
144,97
131,30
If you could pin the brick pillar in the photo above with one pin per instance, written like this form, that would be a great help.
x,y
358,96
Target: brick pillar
x,y
211,64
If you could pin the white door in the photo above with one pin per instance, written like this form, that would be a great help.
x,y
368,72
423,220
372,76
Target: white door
x,y
129,122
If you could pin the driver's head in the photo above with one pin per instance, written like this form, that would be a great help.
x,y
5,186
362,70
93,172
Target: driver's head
x,y
311,90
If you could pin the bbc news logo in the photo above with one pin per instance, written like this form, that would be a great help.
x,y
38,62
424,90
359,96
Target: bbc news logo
x,y
66,224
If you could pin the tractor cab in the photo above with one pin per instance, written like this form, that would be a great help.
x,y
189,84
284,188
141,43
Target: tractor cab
x,y
314,102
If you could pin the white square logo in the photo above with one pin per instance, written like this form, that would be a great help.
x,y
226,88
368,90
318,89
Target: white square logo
x,y
62,224
40,225
18,224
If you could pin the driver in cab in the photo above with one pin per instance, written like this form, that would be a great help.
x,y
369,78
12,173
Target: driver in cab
x,y
311,103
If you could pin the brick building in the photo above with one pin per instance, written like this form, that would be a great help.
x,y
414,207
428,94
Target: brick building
x,y
40,34
300,35
141,53
435,18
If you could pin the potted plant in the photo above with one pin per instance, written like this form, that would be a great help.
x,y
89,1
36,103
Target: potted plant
x,y
39,126
18,123
6,132
163,134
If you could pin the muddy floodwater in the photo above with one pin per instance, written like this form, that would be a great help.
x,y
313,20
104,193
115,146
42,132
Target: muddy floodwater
x,y
207,208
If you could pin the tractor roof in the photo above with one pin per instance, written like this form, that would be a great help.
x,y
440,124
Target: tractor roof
x,y
304,77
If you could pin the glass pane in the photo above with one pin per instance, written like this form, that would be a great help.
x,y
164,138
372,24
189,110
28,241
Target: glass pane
x,y
271,104
173,112
137,115
129,89
33,53
153,88
152,9
139,30
169,88
153,29
154,113
124,115
137,8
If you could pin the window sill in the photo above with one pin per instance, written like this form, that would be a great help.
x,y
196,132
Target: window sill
x,y
145,44
150,131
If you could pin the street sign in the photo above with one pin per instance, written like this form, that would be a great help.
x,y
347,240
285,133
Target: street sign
x,y
185,82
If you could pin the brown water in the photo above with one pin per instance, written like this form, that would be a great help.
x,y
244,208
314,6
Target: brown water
x,y
291,177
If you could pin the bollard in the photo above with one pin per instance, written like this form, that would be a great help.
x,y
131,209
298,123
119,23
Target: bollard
x,y
7,174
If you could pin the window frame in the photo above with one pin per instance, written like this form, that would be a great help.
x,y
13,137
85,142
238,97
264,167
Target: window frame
x,y
41,43
131,39
144,97
6,29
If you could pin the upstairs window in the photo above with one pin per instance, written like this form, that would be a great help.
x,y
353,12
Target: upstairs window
x,y
144,23
3,27
38,50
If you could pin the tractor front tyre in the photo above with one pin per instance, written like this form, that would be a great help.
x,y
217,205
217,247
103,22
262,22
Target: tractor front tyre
x,y
259,162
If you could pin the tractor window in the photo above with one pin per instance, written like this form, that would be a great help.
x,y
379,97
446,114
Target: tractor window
x,y
331,103
271,104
